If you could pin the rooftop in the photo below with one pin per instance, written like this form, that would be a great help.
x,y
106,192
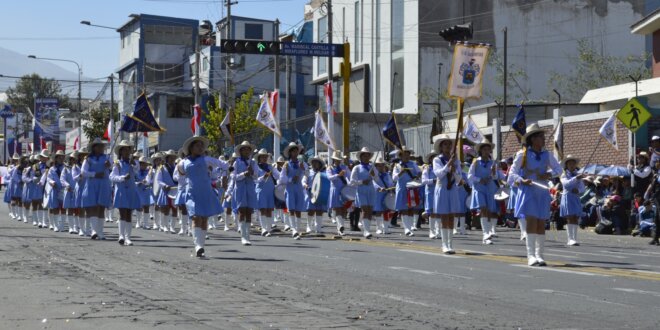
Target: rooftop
x,y
648,24
622,92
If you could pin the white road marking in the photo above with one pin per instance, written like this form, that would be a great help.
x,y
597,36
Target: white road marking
x,y
653,293
559,270
644,271
589,253
431,253
578,295
429,272
640,254
411,301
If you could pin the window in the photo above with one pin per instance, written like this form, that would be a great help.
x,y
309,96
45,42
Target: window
x,y
321,38
179,107
397,24
205,64
170,74
68,124
168,35
397,80
398,63
254,31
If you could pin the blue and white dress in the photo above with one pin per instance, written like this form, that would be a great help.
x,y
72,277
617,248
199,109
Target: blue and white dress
x,y
265,187
40,173
123,177
29,184
570,197
382,180
533,201
180,199
245,195
68,185
143,184
447,197
513,192
292,175
309,178
337,183
201,199
165,178
402,177
483,195
53,175
366,194
96,191
16,183
462,195
428,181
80,180
6,180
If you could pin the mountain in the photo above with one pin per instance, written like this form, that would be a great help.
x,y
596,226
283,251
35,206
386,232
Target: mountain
x,y
16,65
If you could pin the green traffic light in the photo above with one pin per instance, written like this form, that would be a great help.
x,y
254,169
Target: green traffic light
x,y
261,47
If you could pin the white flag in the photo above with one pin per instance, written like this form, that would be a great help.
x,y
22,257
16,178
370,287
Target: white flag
x,y
467,70
225,126
559,138
472,132
321,132
608,131
265,115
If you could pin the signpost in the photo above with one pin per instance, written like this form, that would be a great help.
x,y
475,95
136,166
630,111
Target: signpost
x,y
633,115
5,113
311,49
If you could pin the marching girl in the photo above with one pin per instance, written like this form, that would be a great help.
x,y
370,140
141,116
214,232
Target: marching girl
x,y
337,175
383,185
97,194
314,210
280,205
532,167
570,206
448,172
68,186
201,200
41,170
404,172
292,174
6,180
482,175
165,178
84,227
244,194
16,187
265,188
365,198
464,191
511,204
143,183
180,199
154,210
53,201
126,197
31,177
227,201
428,181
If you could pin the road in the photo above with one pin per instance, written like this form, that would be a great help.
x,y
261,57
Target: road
x,y
59,281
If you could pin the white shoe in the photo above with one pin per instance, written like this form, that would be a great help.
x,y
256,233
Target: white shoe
x,y
531,261
487,241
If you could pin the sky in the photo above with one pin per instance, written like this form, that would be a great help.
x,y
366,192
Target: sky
x,y
51,28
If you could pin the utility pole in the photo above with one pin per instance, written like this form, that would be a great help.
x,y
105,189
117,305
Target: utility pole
x,y
276,138
228,4
331,121
197,69
506,71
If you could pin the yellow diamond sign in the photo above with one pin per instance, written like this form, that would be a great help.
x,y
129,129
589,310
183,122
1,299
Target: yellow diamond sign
x,y
633,115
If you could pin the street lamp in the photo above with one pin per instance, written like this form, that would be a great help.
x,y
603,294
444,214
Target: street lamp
x,y
79,87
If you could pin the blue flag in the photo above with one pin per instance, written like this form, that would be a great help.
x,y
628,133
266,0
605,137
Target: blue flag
x,y
391,133
519,123
142,119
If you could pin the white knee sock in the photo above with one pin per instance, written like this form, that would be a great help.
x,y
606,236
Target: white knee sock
x,y
530,244
366,224
461,225
198,237
523,227
540,246
120,229
72,223
484,227
340,221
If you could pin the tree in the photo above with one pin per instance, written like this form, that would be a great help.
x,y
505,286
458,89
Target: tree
x,y
96,121
31,87
593,70
244,124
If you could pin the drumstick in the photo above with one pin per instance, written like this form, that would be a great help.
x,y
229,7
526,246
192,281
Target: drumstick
x,y
540,185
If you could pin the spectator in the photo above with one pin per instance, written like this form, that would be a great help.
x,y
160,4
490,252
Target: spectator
x,y
613,217
655,151
646,219
634,213
643,173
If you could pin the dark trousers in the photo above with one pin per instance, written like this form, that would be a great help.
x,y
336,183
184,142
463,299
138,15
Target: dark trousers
x,y
354,218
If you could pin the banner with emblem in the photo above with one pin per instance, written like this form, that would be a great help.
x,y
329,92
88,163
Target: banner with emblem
x,y
142,119
321,132
608,131
472,132
265,115
467,71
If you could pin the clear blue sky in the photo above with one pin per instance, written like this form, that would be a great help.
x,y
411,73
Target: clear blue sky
x,y
51,28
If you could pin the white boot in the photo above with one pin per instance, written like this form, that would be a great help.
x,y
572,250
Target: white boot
x,y
184,226
366,224
309,220
340,225
295,222
35,219
493,224
99,231
575,233
523,228
379,225
121,230
318,223
268,222
432,225
456,226
57,219
72,224
445,238
245,233
450,238
82,222
127,233
461,225
172,225
157,217
406,220
485,229
199,237
540,246
531,246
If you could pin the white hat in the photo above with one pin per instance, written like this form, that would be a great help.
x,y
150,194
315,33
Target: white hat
x,y
380,160
234,155
570,157
281,159
95,142
317,158
289,147
364,150
531,130
73,155
187,143
484,143
337,155
643,154
429,157
244,144
438,139
122,144
169,153
222,158
655,138
158,155
408,150
262,152
137,154
144,160
16,157
44,153
58,153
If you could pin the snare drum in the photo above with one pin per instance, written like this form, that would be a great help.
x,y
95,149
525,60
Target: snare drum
x,y
320,190
349,193
280,193
502,194
389,202
171,194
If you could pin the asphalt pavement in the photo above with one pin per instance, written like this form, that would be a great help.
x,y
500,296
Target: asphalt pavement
x,y
60,281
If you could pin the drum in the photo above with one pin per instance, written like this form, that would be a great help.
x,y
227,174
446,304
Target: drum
x,y
320,189
171,194
413,184
502,194
389,202
349,193
414,197
280,193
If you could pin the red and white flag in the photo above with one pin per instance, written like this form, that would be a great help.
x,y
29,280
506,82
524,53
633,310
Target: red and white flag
x,y
196,122
76,143
274,98
327,90
42,143
29,147
266,116
108,131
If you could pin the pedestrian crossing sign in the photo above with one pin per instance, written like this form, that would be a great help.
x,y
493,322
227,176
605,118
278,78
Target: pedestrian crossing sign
x,y
633,115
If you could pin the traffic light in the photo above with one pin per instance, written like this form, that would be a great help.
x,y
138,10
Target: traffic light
x,y
250,47
461,32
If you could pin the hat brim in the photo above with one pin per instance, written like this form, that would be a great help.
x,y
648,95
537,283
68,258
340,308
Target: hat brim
x,y
191,140
238,148
117,148
532,132
360,153
480,145
563,162
438,142
288,149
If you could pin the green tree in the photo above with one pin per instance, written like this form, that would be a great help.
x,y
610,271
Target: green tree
x,y
96,121
591,70
244,124
31,87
